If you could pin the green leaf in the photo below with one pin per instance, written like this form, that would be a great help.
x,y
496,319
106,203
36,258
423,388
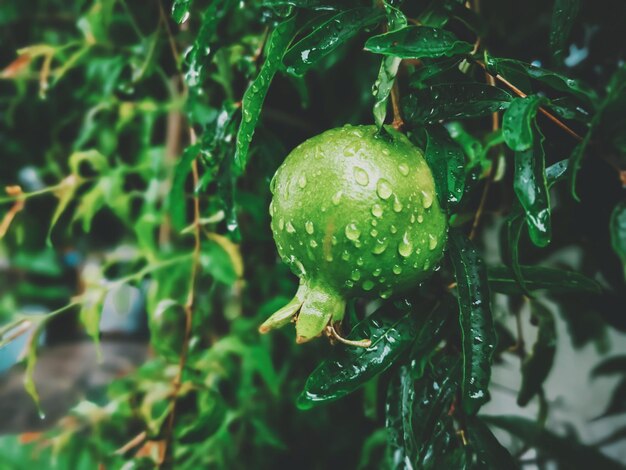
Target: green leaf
x,y
399,417
531,188
215,261
512,69
615,365
309,4
177,195
565,450
538,363
453,101
489,452
430,70
447,161
388,69
518,122
180,10
556,172
255,94
514,225
502,280
391,332
417,42
617,403
563,17
328,36
617,227
31,362
478,332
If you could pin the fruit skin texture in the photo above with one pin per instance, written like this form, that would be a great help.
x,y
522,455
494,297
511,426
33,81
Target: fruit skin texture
x,y
353,214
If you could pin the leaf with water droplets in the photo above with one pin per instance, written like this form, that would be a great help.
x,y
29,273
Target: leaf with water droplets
x,y
391,330
447,161
180,10
563,16
477,329
310,4
554,280
531,188
254,96
518,122
417,42
327,37
430,70
617,227
388,69
537,364
453,101
512,69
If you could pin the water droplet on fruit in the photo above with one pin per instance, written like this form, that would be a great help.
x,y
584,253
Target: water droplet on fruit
x,y
281,224
420,218
368,285
374,222
426,265
313,244
404,169
336,199
396,269
377,272
290,228
385,152
393,229
352,232
405,247
397,205
377,210
351,149
345,255
412,219
333,240
308,226
427,199
379,246
357,133
373,232
349,283
355,275
386,294
329,257
361,176
432,241
359,261
383,189
302,181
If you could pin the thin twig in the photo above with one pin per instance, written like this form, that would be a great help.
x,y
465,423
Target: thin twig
x,y
397,123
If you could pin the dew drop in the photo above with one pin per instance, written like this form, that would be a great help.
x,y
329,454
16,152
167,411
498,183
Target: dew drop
x,y
368,285
374,222
302,181
432,241
393,229
351,149
377,272
397,269
355,275
426,265
359,261
313,244
397,205
383,189
308,226
336,199
373,232
357,133
427,199
380,246
333,240
329,257
349,283
404,169
281,224
352,232
386,294
345,255
290,228
412,219
405,247
361,176
420,218
377,210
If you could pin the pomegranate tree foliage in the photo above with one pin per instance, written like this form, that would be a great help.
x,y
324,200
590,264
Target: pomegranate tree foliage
x,y
139,139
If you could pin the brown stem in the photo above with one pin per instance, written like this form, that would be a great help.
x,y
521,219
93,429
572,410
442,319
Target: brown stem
x,y
397,123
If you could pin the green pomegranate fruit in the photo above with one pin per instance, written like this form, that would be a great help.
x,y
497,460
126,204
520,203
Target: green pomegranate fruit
x,y
353,214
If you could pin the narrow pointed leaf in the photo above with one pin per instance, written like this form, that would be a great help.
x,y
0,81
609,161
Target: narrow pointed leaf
x,y
327,37
399,419
489,452
538,363
518,122
531,188
177,195
453,101
502,279
254,96
563,16
180,10
478,332
447,160
615,365
417,42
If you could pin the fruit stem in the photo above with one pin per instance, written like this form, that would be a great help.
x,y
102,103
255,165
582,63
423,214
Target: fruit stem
x,y
332,333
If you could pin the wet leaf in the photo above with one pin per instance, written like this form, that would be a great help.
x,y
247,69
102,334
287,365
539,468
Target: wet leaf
x,y
180,10
538,363
447,161
254,96
328,36
531,188
518,122
554,280
388,69
417,42
177,196
617,227
431,70
391,332
452,101
563,16
399,417
31,362
489,452
478,332
566,450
